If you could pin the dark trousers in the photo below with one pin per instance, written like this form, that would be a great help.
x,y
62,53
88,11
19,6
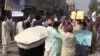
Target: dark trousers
x,y
37,51
82,50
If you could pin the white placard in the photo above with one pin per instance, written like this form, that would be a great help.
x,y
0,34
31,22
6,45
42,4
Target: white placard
x,y
17,13
94,16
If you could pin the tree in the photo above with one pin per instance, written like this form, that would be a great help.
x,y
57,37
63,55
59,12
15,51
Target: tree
x,y
93,6
98,10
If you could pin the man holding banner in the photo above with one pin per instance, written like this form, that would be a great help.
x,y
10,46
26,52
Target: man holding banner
x,y
83,40
77,15
83,36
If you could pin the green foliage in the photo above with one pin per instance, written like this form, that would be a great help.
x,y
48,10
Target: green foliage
x,y
93,6
98,11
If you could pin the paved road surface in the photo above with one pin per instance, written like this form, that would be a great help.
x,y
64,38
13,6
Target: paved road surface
x,y
13,51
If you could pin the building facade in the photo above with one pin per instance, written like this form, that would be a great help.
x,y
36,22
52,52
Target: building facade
x,y
47,5
2,2
61,6
70,4
36,5
44,5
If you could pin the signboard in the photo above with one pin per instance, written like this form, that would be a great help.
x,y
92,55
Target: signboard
x,y
17,13
94,16
84,37
78,15
14,5
73,15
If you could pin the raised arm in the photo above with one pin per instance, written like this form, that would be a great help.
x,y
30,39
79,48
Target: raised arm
x,y
25,21
60,29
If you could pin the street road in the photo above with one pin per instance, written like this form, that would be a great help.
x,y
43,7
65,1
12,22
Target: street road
x,y
13,51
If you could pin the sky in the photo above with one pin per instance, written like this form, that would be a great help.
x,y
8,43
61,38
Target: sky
x,y
98,0
82,4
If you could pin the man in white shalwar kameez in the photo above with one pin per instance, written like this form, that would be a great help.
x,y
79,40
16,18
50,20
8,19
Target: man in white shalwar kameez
x,y
5,36
19,27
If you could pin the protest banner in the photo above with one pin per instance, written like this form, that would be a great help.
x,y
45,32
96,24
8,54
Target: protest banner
x,y
83,37
73,15
77,15
94,16
17,13
80,15
14,5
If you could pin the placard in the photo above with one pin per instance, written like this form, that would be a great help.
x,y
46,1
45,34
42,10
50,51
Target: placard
x,y
80,14
77,15
73,15
17,13
94,16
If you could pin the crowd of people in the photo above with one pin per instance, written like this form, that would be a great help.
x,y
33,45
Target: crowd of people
x,y
61,40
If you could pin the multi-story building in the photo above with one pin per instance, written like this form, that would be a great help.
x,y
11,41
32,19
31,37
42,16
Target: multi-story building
x,y
70,4
2,2
64,6
45,5
30,6
60,5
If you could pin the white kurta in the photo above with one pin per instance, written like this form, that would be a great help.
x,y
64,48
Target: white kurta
x,y
5,33
19,27
68,43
